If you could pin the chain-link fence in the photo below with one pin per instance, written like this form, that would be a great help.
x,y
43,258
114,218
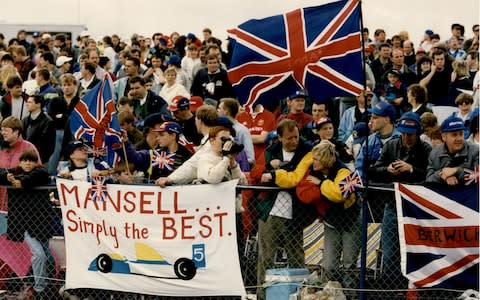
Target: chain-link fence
x,y
280,240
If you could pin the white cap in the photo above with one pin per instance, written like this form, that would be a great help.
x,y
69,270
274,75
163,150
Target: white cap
x,y
46,36
84,33
61,60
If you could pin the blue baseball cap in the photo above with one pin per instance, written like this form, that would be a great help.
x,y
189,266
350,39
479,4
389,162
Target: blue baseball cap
x,y
298,94
451,124
179,103
174,59
225,122
170,127
383,109
409,123
360,132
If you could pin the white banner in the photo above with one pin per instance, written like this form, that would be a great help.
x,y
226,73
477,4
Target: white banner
x,y
176,241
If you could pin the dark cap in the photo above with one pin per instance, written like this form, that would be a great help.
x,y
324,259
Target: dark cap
x,y
74,145
191,36
394,72
174,59
451,124
409,123
154,119
225,122
323,121
179,103
429,32
383,109
298,94
170,127
360,132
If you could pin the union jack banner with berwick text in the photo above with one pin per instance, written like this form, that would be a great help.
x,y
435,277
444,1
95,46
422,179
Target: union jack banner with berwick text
x,y
439,235
314,48
94,120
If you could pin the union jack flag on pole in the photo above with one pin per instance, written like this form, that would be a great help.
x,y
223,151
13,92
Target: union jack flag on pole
x,y
94,120
439,235
316,48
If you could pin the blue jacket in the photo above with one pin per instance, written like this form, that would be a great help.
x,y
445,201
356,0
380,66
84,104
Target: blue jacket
x,y
375,146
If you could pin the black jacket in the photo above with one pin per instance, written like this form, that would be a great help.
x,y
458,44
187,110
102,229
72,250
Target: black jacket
x,y
28,210
153,104
41,133
394,150
223,87
59,111
303,214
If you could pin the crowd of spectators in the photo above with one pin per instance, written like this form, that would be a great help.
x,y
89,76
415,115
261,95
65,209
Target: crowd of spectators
x,y
182,124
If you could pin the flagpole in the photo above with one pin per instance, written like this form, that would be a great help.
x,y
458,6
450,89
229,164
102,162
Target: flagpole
x,y
364,224
126,158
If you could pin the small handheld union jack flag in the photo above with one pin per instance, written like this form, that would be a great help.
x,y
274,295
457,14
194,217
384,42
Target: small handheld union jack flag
x,y
99,189
350,184
163,160
471,175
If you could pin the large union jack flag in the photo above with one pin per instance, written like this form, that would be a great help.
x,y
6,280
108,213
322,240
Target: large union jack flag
x,y
94,119
439,235
315,48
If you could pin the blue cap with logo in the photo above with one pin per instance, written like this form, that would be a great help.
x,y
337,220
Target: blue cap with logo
x,y
383,109
170,127
409,123
452,123
298,94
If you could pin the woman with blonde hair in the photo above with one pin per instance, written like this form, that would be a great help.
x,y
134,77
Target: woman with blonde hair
x,y
318,180
6,72
172,88
460,77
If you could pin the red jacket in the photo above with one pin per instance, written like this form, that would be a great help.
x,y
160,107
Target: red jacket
x,y
308,192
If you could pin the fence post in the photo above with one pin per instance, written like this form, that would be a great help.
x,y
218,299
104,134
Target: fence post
x,y
363,249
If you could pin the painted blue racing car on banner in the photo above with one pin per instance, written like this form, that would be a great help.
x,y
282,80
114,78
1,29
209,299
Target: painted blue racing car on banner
x,y
150,263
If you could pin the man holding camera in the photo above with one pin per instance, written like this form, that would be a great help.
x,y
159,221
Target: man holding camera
x,y
219,164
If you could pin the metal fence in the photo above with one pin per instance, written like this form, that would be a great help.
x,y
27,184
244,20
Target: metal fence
x,y
356,247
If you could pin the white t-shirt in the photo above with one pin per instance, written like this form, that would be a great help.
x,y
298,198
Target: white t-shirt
x,y
283,204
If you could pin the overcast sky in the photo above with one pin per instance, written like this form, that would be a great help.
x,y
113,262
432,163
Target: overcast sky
x,y
125,17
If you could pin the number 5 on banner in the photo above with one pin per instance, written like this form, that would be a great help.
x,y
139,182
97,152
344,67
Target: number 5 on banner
x,y
198,255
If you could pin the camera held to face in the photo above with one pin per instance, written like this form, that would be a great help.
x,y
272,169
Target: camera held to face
x,y
230,148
